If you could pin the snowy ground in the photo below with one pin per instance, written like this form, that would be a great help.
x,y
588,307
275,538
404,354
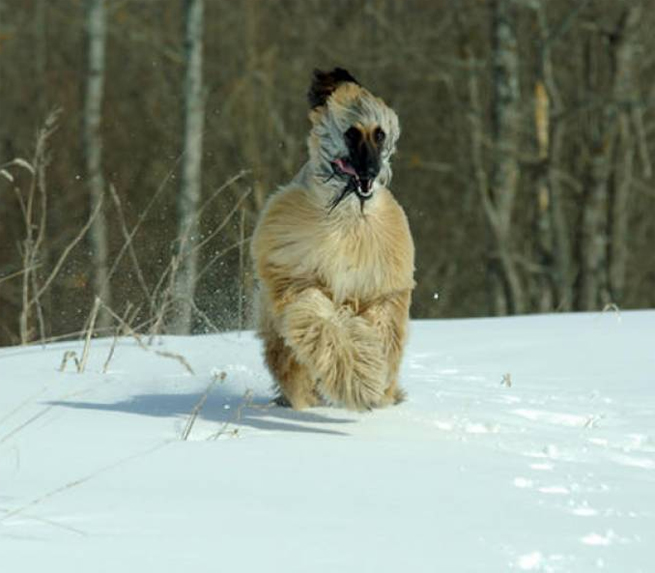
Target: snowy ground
x,y
526,444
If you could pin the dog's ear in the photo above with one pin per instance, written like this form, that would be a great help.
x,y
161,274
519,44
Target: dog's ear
x,y
324,83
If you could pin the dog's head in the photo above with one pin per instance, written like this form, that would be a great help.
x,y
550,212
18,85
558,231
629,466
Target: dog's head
x,y
353,135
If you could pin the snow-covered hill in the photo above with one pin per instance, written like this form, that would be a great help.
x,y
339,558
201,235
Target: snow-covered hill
x,y
525,444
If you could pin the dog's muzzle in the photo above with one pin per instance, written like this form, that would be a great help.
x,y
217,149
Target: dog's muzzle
x,y
362,168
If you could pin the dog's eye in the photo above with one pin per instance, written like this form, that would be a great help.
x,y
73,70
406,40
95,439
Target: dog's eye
x,y
353,135
379,135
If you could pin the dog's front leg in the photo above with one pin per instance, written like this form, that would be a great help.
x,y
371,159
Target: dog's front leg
x,y
341,350
390,317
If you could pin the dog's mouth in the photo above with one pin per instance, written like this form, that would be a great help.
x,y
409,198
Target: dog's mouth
x,y
362,186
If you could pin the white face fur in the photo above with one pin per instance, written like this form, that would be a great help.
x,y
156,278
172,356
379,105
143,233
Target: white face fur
x,y
351,105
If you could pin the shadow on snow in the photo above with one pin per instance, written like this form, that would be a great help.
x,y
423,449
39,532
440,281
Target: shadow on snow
x,y
223,407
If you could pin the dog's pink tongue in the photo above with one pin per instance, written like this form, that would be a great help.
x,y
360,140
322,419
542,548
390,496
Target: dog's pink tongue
x,y
346,167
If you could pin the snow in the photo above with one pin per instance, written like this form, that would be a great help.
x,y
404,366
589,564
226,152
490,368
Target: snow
x,y
526,444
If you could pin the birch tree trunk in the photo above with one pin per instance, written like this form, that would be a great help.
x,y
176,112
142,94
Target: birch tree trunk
x,y
592,238
555,288
603,238
92,141
189,194
506,289
626,95
253,103
593,231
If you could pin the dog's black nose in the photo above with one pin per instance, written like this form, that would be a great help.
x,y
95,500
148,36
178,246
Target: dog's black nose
x,y
372,171
369,168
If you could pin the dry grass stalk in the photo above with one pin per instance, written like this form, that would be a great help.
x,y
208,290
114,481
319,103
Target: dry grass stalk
x,y
198,407
20,406
80,481
613,307
137,337
142,218
67,250
89,334
246,402
117,333
35,227
31,249
77,334
39,310
203,316
69,355
242,230
18,273
221,254
226,220
36,416
128,242
124,326
52,523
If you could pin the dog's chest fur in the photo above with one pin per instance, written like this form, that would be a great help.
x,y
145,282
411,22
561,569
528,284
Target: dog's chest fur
x,y
352,259
357,257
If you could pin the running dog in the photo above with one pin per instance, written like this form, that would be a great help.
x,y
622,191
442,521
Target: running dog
x,y
334,258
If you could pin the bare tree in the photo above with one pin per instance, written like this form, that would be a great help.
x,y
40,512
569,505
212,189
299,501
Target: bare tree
x,y
253,102
552,239
96,24
603,230
506,289
624,57
190,188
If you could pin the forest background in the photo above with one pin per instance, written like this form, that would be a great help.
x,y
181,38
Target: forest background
x,y
139,140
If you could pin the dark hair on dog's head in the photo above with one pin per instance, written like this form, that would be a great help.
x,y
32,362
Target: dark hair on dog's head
x,y
324,84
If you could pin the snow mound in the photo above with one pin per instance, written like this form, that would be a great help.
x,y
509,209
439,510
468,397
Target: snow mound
x,y
526,444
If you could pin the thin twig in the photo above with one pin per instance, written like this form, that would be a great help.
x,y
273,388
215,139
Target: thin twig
x,y
19,273
38,415
39,309
225,221
201,402
67,251
69,355
213,327
128,241
31,244
89,334
241,266
231,181
22,405
117,333
76,334
220,255
245,402
165,353
52,523
142,217
80,481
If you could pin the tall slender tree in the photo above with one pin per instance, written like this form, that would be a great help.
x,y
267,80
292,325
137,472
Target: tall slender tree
x,y
609,177
506,288
96,28
553,281
625,58
190,187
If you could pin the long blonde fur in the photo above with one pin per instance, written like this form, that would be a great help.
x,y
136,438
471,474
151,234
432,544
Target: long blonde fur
x,y
335,286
